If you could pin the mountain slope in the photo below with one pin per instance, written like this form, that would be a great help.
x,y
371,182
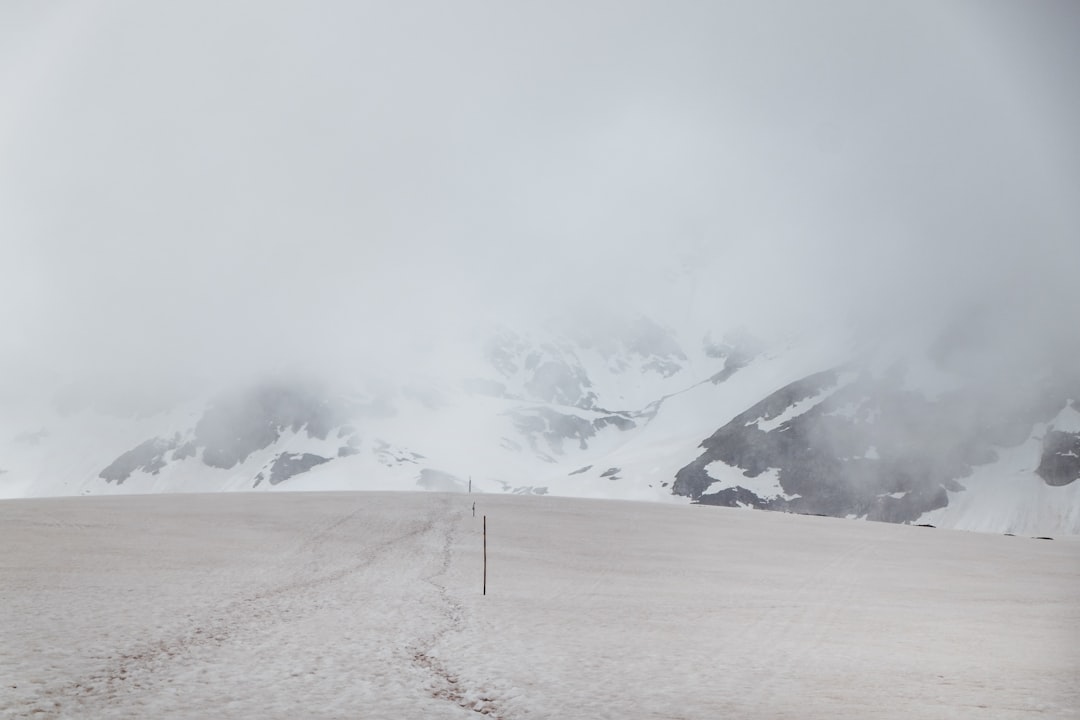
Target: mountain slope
x,y
628,411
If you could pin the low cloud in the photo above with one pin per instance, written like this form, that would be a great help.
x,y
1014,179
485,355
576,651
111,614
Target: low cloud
x,y
201,194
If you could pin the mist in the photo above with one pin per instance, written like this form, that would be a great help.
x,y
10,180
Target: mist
x,y
204,193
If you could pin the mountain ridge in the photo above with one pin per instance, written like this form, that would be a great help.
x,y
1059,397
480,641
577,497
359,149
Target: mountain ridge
x,y
796,429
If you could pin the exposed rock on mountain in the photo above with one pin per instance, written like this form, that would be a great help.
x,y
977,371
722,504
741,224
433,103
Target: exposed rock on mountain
x,y
286,465
552,428
1060,461
617,412
849,444
238,424
148,457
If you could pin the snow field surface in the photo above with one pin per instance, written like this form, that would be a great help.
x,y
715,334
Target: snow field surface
x,y
368,605
1008,496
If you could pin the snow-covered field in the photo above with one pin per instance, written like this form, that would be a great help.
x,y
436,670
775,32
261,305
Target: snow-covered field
x,y
368,605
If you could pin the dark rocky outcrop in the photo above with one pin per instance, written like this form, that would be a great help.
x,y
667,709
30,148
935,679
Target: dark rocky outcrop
x,y
148,457
620,421
390,456
552,372
554,428
743,444
868,447
186,450
561,383
733,497
237,425
240,423
1060,461
287,465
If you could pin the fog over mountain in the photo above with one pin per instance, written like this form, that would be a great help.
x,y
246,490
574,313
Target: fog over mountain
x,y
196,198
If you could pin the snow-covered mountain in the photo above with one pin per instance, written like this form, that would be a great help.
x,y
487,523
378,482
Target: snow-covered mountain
x,y
623,409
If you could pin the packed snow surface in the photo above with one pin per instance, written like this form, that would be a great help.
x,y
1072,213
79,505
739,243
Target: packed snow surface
x,y
369,605
1006,495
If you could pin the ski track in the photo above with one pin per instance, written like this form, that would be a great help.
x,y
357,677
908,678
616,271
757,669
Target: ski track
x,y
138,668
296,592
369,607
812,610
445,683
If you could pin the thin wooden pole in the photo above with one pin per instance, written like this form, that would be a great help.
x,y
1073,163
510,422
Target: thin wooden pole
x,y
485,555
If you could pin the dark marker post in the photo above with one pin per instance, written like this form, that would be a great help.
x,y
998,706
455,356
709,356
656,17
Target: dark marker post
x,y
485,555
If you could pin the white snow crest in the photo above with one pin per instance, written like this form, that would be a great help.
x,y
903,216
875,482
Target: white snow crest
x,y
802,406
1068,420
766,485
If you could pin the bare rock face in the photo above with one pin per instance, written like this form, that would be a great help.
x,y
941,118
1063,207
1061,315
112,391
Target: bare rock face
x,y
885,444
238,424
843,443
546,430
553,369
742,443
1060,462
286,465
148,457
560,382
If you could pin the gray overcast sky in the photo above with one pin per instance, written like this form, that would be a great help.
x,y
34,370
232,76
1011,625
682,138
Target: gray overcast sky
x,y
205,189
